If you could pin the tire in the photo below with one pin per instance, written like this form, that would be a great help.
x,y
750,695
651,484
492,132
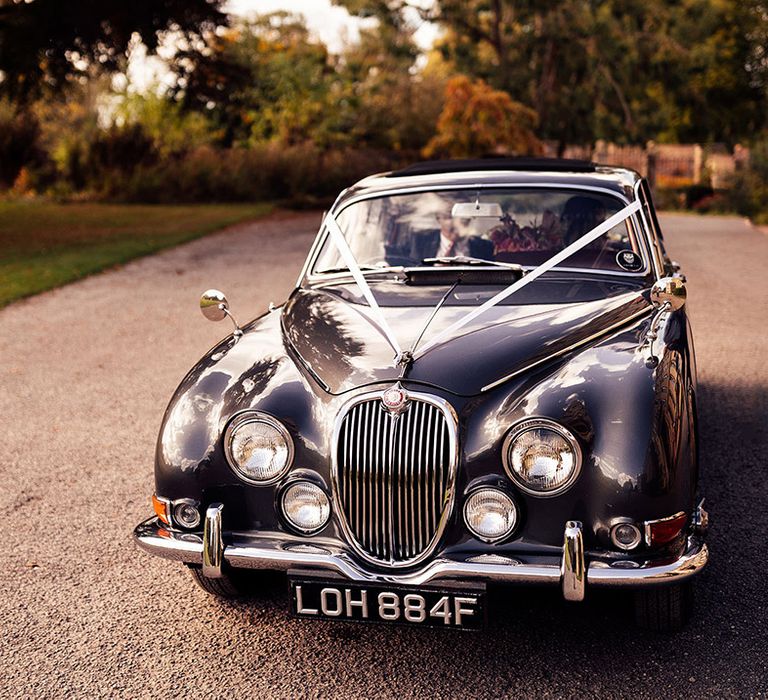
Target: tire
x,y
664,608
232,585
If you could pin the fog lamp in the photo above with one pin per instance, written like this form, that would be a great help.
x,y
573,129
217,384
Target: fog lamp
x,y
306,507
490,515
186,513
625,536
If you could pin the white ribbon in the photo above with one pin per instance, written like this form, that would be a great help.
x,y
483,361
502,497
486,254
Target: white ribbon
x,y
555,260
349,259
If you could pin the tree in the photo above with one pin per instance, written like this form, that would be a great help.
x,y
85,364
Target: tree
x,y
45,43
395,103
624,70
268,79
261,80
478,120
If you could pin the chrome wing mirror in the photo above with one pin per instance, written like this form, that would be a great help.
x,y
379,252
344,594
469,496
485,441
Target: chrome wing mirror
x,y
667,294
215,307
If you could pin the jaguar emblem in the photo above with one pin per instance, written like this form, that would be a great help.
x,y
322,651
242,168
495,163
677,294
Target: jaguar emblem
x,y
395,399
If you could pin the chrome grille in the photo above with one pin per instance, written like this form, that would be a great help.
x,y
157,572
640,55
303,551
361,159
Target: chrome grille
x,y
394,476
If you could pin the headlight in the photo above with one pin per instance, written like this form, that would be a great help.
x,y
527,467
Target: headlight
x,y
542,457
306,507
490,514
258,447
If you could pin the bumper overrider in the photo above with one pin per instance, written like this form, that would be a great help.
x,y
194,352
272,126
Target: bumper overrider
x,y
571,571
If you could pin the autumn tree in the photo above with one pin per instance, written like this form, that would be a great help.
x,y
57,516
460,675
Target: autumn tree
x,y
478,120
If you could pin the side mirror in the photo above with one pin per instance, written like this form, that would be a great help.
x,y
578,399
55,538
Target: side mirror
x,y
669,292
215,307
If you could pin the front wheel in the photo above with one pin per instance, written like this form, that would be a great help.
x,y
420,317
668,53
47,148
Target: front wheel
x,y
231,586
664,608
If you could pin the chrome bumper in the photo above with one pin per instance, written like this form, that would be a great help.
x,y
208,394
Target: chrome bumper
x,y
571,572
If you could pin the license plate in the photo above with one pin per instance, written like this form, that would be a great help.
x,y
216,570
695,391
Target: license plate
x,y
425,607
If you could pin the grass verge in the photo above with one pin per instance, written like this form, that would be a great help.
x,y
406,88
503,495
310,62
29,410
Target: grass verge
x,y
44,245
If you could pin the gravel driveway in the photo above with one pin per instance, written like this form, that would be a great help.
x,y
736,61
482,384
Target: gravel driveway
x,y
85,376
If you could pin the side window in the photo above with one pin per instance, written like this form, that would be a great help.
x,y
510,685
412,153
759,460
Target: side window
x,y
650,214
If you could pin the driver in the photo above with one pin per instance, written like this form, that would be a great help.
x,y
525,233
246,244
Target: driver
x,y
447,241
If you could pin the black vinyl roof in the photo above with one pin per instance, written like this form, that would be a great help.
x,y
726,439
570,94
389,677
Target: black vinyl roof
x,y
433,167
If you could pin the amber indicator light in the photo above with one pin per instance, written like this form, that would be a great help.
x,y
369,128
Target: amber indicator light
x,y
161,509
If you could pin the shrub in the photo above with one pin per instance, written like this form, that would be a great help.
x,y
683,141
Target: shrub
x,y
694,194
120,149
300,175
19,143
748,188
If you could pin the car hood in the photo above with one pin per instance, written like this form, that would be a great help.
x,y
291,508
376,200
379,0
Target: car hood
x,y
336,338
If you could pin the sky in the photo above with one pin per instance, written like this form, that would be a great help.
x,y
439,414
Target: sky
x,y
333,25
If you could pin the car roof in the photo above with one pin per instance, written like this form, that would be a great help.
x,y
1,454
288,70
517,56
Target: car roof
x,y
497,171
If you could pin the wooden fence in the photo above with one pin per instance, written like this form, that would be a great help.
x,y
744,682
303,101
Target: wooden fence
x,y
666,165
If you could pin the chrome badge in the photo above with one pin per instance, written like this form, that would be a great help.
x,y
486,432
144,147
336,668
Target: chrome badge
x,y
395,399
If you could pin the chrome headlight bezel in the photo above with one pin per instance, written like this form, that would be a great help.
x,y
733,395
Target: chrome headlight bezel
x,y
296,527
536,423
245,418
497,492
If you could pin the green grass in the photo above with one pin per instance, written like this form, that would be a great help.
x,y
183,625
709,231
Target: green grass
x,y
44,245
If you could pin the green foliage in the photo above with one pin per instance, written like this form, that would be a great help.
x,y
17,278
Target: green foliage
x,y
388,103
172,129
261,109
268,80
263,80
44,44
748,189
620,70
294,174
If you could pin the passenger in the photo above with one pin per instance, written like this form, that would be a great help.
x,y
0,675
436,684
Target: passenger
x,y
580,215
447,241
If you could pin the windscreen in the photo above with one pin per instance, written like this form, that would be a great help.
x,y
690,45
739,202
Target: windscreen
x,y
511,225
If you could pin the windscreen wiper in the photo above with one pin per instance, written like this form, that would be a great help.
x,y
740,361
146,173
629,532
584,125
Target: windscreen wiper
x,y
469,260
363,268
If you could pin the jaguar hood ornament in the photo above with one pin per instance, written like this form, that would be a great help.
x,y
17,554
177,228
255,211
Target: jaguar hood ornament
x,y
395,399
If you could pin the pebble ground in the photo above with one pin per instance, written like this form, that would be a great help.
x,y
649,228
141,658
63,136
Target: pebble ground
x,y
85,374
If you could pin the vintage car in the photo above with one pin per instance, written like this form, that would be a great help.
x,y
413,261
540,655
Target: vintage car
x,y
484,376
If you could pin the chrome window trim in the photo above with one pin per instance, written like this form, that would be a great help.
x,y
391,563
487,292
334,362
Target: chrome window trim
x,y
452,423
658,263
640,227
250,416
532,423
